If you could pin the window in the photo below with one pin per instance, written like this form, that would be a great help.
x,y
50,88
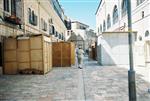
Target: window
x,y
56,34
115,15
59,36
108,21
138,2
51,29
104,26
13,7
62,37
143,14
32,17
140,38
101,28
6,5
147,33
124,8
43,25
98,30
68,33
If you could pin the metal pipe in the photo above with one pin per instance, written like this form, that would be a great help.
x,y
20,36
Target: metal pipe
x,y
131,72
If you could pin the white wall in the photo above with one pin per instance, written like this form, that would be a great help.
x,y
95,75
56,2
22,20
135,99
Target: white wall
x,y
139,24
114,48
73,26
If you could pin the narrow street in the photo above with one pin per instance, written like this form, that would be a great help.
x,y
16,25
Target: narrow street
x,y
93,83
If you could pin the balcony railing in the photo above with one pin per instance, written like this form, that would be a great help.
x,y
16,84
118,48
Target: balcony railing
x,y
11,17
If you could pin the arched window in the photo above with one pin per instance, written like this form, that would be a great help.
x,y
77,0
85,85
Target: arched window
x,y
104,26
108,21
147,33
115,15
138,2
124,8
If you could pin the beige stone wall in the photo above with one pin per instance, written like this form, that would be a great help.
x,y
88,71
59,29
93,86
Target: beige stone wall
x,y
43,9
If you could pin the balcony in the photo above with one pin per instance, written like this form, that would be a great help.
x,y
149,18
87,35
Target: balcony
x,y
12,19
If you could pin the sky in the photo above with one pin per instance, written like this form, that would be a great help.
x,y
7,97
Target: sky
x,y
81,10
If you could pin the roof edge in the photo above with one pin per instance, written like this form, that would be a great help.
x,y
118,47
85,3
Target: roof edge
x,y
98,7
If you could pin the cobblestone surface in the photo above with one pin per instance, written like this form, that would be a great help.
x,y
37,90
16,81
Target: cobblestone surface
x,y
93,83
59,84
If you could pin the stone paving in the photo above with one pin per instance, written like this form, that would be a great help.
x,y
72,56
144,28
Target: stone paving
x,y
93,83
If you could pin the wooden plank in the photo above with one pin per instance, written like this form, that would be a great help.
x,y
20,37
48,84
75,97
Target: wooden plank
x,y
23,66
10,56
10,68
66,60
42,55
10,44
63,54
36,55
23,57
37,65
23,45
33,55
45,56
56,57
23,54
36,42
50,56
72,53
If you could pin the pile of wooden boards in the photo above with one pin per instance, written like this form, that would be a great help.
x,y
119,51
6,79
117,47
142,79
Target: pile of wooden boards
x,y
63,54
28,55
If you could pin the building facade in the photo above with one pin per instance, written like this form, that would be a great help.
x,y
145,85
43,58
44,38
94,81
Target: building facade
x,y
111,16
31,17
80,30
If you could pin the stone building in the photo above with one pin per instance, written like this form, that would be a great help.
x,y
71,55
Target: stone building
x,y
111,16
25,17
80,30
32,17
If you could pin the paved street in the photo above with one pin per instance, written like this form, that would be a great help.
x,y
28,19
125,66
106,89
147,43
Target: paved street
x,y
93,83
